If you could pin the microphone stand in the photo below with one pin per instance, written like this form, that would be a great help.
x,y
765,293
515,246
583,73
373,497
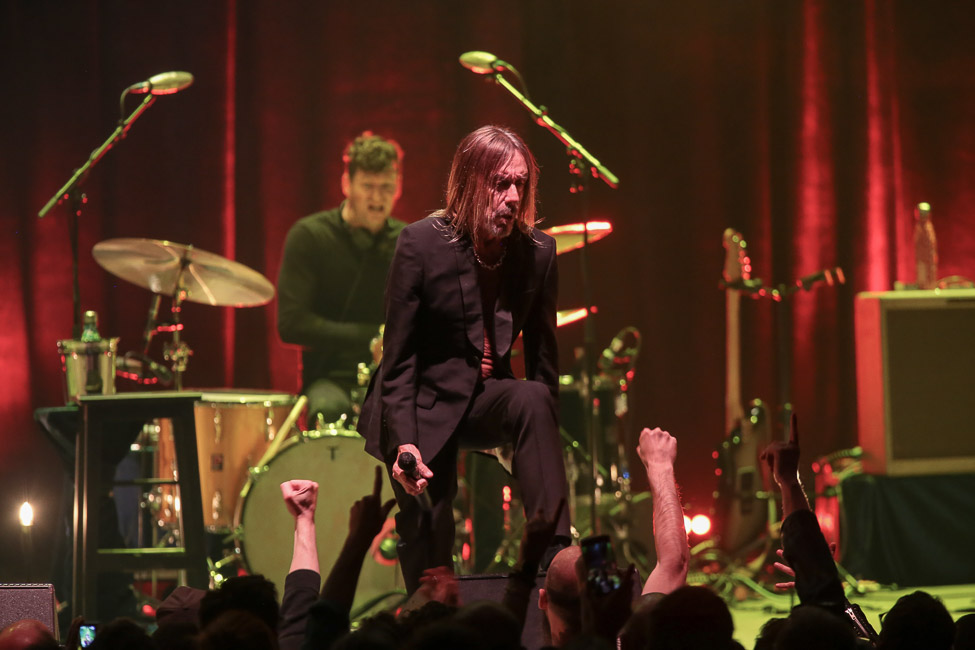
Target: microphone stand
x,y
72,191
583,165
574,149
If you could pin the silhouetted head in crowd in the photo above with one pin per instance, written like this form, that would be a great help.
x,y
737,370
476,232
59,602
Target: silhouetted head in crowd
x,y
769,633
635,634
182,605
237,630
559,599
493,622
917,620
121,634
691,618
814,628
414,621
175,636
27,634
588,642
445,635
379,632
255,594
965,633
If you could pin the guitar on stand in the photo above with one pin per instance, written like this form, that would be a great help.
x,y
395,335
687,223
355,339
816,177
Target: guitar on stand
x,y
741,511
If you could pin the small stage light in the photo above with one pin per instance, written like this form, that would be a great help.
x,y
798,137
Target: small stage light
x,y
687,525
26,515
700,525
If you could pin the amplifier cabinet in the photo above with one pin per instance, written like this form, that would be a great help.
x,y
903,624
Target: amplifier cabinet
x,y
915,360
20,601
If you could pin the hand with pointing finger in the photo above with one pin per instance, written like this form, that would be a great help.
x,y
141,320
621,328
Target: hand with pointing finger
x,y
368,514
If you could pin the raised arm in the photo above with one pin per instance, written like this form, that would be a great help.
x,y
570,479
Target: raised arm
x,y
301,585
658,451
300,497
366,519
803,544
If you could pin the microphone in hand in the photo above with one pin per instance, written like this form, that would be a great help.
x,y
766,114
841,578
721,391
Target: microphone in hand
x,y
407,463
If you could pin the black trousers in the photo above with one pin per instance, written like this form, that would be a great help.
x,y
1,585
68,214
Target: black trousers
x,y
524,413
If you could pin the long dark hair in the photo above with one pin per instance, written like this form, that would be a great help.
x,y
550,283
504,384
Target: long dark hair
x,y
479,158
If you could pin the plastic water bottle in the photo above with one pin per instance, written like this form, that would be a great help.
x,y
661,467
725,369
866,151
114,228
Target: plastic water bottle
x,y
925,248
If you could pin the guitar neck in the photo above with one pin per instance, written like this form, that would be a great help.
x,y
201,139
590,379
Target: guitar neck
x,y
734,412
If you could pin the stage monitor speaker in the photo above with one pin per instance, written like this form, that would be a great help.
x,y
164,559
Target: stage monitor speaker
x,y
915,356
20,601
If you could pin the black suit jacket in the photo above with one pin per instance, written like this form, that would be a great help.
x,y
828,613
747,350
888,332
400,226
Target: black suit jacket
x,y
434,336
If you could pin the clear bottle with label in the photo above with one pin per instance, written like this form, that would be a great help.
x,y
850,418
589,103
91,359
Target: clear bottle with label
x,y
925,248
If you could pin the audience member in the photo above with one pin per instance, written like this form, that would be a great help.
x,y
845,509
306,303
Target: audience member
x,y
658,451
121,634
328,617
254,594
559,599
304,579
814,628
965,633
917,621
804,547
237,629
691,618
27,634
497,626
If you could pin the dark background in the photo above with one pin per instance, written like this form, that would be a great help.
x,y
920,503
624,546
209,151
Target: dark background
x,y
811,126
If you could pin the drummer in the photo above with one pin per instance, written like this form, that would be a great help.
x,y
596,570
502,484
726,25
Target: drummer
x,y
333,274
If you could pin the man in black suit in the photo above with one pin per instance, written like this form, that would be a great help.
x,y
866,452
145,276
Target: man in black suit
x,y
463,284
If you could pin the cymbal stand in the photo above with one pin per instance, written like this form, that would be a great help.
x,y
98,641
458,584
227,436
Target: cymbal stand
x,y
177,352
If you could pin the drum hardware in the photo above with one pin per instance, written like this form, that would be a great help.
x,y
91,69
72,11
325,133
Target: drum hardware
x,y
183,273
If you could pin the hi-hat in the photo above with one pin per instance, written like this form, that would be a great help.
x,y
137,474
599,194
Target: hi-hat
x,y
569,237
166,268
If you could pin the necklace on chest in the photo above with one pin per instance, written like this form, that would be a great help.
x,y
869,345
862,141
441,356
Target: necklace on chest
x,y
486,266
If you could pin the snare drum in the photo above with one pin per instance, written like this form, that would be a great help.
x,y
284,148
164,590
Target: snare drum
x,y
345,473
233,430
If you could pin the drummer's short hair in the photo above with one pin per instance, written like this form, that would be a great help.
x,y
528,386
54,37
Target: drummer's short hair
x,y
372,153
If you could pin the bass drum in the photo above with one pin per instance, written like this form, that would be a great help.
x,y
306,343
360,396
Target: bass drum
x,y
345,473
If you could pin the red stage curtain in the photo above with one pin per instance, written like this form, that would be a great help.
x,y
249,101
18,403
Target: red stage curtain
x,y
813,127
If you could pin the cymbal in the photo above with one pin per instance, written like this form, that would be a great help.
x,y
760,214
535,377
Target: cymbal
x,y
567,316
569,237
206,278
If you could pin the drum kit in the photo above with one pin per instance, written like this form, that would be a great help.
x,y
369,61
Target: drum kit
x,y
245,446
244,438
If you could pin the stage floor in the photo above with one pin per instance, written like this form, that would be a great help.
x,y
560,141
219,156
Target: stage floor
x,y
751,614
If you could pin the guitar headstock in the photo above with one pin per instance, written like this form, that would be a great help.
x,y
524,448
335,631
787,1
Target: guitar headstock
x,y
737,265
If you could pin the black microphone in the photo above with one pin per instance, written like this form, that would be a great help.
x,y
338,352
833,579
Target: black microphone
x,y
830,276
164,83
407,463
480,62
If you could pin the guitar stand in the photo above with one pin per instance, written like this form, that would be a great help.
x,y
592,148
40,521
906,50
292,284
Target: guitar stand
x,y
736,576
